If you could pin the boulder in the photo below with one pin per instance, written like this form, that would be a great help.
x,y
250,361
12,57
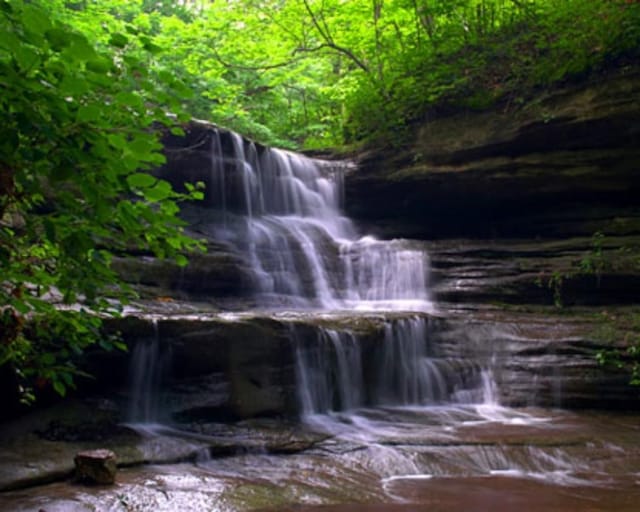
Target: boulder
x,y
96,466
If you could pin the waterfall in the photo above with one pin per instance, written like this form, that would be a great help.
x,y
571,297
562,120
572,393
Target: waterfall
x,y
407,375
329,372
149,364
337,371
282,211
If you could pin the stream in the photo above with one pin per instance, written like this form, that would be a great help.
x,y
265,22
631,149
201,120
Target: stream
x,y
440,458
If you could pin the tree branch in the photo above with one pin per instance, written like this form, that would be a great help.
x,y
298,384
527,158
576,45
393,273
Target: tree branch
x,y
266,67
329,42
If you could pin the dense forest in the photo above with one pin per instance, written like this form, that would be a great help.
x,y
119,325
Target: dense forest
x,y
88,85
321,73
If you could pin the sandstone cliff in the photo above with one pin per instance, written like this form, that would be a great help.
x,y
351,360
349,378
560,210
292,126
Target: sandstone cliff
x,y
564,163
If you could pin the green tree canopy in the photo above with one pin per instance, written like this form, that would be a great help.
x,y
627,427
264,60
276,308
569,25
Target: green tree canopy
x,y
313,73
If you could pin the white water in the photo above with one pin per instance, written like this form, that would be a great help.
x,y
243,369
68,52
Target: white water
x,y
282,211
149,363
337,372
329,373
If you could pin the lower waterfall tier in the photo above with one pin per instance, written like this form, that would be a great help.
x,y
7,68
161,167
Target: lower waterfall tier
x,y
239,365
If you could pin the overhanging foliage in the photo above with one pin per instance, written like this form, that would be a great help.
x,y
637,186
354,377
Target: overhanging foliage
x,y
76,132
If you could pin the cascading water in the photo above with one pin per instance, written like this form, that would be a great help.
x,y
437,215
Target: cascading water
x,y
407,375
281,210
336,371
329,372
149,363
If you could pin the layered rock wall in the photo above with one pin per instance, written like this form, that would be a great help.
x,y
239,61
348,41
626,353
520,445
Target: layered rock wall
x,y
508,201
565,163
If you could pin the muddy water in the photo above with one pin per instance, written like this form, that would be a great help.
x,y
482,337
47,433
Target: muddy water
x,y
465,458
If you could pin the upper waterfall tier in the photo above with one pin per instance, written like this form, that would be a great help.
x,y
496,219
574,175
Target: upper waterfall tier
x,y
282,212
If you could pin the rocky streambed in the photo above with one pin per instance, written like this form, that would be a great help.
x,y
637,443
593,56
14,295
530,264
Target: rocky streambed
x,y
210,447
388,460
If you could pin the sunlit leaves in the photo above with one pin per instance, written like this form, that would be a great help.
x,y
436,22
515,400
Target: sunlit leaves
x,y
310,72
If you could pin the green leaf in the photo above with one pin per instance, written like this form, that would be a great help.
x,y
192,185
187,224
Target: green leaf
x,y
8,40
106,345
81,49
162,190
73,86
149,45
20,306
141,180
169,208
129,98
118,141
88,113
131,29
58,38
120,346
35,19
181,260
143,145
60,388
166,76
47,359
99,65
26,57
118,40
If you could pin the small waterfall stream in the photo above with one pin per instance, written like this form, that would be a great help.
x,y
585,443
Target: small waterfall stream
x,y
149,364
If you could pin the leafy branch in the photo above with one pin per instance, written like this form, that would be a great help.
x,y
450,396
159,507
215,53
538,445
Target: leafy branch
x,y
76,135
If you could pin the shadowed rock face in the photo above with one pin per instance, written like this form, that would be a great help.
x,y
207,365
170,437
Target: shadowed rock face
x,y
562,164
519,272
226,366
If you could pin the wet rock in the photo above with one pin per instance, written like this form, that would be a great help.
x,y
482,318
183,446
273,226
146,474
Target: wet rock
x,y
236,366
254,394
89,431
563,164
541,271
541,356
231,367
96,466
216,273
